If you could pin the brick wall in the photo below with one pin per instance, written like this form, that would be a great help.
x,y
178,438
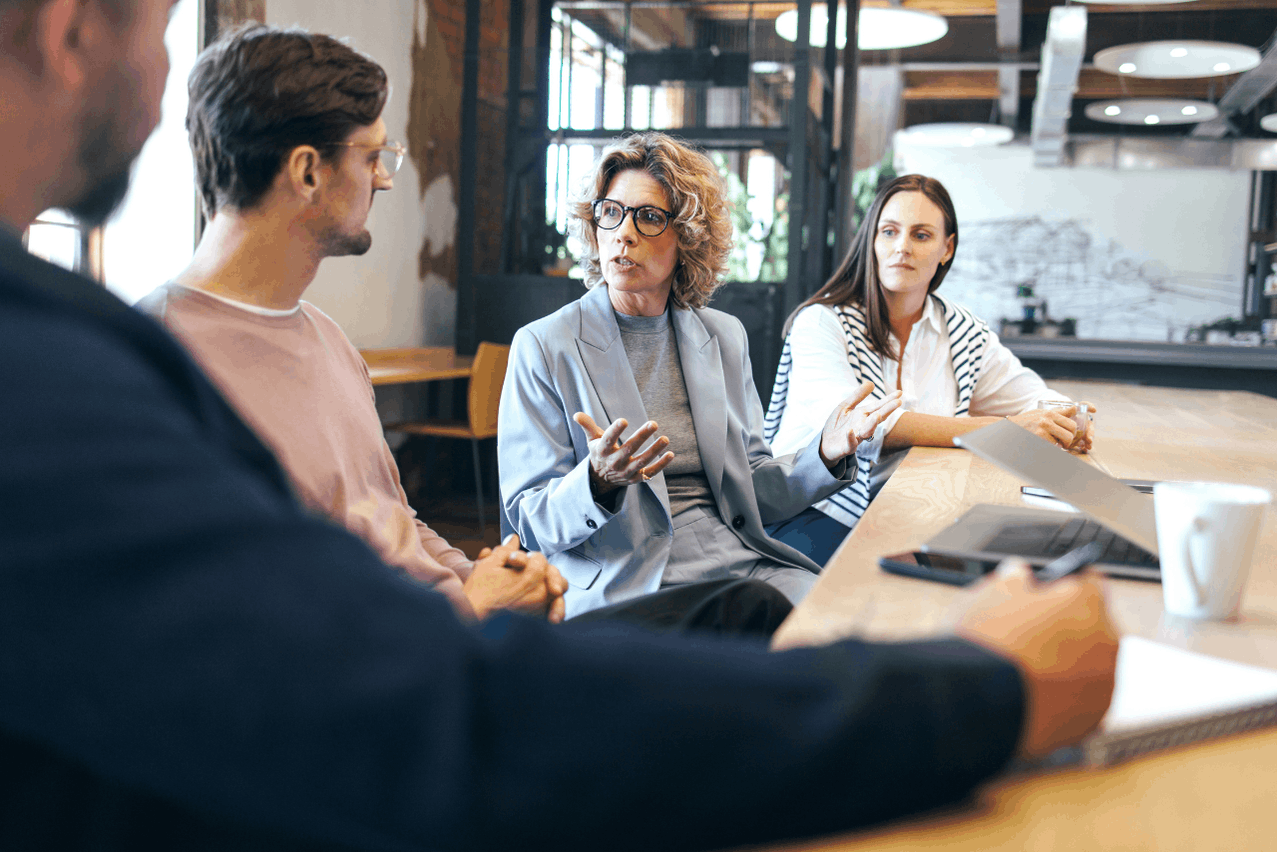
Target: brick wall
x,y
448,16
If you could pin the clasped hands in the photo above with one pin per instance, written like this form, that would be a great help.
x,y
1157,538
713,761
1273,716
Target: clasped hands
x,y
506,577
615,463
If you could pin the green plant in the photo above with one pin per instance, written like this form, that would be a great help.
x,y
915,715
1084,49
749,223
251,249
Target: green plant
x,y
750,235
864,187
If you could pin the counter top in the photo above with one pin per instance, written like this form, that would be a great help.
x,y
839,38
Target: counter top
x,y
1143,352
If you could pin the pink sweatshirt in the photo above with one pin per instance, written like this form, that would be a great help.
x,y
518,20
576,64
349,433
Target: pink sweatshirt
x,y
301,385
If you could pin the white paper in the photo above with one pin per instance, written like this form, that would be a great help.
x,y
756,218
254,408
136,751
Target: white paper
x,y
1159,684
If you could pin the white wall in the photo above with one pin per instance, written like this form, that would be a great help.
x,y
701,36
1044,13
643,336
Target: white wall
x,y
1129,254
377,299
152,236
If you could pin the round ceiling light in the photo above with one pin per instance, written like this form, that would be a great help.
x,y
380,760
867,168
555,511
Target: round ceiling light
x,y
956,134
1168,60
1151,111
877,28
1269,122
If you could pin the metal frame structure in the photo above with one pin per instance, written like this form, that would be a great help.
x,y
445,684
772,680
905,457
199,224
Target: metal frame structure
x,y
820,183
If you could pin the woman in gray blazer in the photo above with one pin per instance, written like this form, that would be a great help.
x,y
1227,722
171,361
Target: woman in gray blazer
x,y
623,516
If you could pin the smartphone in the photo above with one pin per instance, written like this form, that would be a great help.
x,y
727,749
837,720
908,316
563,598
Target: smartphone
x,y
954,570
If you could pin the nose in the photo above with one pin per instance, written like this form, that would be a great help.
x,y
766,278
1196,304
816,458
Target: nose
x,y
381,177
627,232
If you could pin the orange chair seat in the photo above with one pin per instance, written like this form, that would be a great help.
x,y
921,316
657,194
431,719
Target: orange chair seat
x,y
439,428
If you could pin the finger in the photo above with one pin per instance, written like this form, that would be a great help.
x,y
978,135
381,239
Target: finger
x,y
536,565
639,438
1014,574
558,609
883,411
659,465
587,423
612,433
555,582
1060,429
517,561
507,547
861,393
649,455
485,553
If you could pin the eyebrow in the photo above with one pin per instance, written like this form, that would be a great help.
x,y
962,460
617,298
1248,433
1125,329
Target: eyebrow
x,y
882,222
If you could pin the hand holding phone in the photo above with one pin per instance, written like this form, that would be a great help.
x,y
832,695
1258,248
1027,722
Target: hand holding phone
x,y
963,571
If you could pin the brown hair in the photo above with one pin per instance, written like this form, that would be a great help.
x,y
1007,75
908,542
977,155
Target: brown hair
x,y
702,219
259,92
856,281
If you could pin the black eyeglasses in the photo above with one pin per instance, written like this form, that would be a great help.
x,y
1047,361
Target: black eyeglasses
x,y
650,221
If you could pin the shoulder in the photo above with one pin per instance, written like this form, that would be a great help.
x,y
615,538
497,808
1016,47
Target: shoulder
x,y
156,303
949,308
325,325
335,340
814,318
719,322
566,321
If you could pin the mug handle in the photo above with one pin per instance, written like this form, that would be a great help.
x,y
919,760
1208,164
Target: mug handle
x,y
1198,524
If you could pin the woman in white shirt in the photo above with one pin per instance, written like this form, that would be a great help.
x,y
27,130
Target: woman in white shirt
x,y
878,319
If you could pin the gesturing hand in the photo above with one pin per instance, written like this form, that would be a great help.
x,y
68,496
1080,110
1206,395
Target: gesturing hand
x,y
614,464
854,420
509,578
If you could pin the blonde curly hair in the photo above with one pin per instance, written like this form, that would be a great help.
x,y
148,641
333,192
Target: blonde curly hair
x,y
698,198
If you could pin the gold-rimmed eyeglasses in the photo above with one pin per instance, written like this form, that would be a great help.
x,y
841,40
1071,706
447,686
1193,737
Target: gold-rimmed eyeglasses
x,y
390,155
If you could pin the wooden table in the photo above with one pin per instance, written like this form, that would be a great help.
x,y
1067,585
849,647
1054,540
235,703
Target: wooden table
x,y
1218,795
416,364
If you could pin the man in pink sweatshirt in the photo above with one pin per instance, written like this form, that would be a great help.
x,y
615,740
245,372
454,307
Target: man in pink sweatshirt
x,y
287,179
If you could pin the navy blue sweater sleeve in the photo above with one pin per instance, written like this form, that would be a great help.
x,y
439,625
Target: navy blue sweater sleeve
x,y
173,624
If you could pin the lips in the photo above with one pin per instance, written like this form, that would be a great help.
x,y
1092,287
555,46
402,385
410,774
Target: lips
x,y
623,263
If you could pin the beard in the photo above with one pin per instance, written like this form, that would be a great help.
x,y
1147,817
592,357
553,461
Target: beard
x,y
346,245
96,204
103,152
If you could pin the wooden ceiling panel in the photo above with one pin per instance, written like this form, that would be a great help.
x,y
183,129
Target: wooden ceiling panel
x,y
987,8
1042,7
767,10
1093,84
951,85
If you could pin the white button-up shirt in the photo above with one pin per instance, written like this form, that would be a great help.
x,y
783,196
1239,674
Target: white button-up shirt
x,y
821,377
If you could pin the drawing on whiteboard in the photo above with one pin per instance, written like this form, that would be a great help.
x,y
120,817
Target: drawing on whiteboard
x,y
1113,293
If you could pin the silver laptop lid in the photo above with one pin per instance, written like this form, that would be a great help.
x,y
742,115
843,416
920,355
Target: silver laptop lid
x,y
1106,500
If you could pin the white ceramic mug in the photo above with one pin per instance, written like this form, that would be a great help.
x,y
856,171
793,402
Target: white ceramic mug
x,y
1206,534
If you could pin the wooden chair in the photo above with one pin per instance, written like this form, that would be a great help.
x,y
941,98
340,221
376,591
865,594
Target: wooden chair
x,y
486,377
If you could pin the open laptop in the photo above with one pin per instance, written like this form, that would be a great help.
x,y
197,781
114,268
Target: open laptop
x,y
1118,516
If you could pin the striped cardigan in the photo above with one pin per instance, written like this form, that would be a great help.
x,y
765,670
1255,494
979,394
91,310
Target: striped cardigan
x,y
968,337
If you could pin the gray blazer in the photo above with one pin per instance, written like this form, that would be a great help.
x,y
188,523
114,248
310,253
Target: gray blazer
x,y
574,360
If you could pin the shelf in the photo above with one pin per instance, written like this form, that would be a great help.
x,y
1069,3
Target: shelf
x,y
1143,352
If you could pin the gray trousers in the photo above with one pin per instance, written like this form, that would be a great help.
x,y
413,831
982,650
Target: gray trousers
x,y
705,548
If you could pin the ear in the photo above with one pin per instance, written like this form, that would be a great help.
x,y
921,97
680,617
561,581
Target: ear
x,y
303,173
61,35
949,248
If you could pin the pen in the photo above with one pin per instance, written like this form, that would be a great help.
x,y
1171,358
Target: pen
x,y
1070,563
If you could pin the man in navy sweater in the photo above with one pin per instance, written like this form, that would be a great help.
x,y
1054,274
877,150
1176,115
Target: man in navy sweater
x,y
190,660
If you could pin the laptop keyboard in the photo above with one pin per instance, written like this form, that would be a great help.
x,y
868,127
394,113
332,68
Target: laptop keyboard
x,y
1080,531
